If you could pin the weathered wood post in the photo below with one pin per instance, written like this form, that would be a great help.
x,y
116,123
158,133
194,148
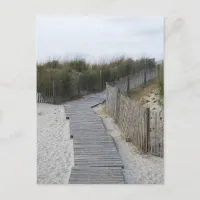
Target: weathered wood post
x,y
107,97
54,95
148,129
117,111
62,91
158,70
78,84
49,90
101,81
145,72
128,84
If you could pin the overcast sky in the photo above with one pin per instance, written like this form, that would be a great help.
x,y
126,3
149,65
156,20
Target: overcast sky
x,y
99,37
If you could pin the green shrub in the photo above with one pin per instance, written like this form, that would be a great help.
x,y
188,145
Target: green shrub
x,y
65,74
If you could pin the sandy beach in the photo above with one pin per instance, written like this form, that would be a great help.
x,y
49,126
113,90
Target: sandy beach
x,y
54,147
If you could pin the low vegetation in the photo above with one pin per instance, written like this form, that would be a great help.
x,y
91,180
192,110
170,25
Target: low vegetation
x,y
153,92
73,76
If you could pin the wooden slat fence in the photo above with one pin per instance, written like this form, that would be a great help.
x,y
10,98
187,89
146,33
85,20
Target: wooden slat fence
x,y
136,80
60,91
140,126
156,137
44,99
133,122
111,96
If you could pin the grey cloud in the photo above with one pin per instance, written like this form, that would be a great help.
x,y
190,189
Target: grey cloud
x,y
95,37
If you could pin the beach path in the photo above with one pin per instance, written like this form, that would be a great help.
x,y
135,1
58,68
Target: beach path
x,y
96,159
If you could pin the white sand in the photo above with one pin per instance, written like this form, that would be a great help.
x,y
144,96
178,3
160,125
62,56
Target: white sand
x,y
54,147
151,100
138,168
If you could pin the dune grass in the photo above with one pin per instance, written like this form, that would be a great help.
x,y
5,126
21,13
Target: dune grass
x,y
156,85
90,76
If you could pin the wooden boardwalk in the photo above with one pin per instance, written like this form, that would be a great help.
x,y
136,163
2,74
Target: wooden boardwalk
x,y
96,159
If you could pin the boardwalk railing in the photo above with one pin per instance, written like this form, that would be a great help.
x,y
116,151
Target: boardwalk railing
x,y
144,128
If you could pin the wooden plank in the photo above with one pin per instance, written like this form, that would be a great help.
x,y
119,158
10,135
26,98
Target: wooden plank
x,y
86,134
92,152
92,131
86,131
93,137
88,126
99,164
84,123
95,182
97,154
91,161
82,120
96,175
93,142
85,147
97,158
84,157
101,176
84,154
102,179
77,168
88,139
